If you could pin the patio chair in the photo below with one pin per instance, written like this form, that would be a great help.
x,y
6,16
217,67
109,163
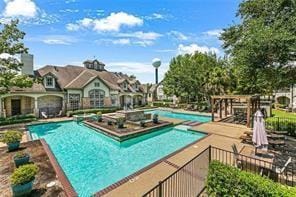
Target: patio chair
x,y
281,170
237,160
59,114
44,115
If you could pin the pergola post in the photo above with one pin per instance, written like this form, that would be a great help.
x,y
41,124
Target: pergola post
x,y
226,106
230,106
220,108
213,109
248,112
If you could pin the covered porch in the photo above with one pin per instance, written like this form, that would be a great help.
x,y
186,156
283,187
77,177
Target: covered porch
x,y
132,99
22,104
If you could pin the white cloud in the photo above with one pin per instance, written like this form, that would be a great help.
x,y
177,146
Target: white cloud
x,y
155,16
53,39
192,48
122,41
178,35
140,35
25,8
140,69
214,32
69,11
113,22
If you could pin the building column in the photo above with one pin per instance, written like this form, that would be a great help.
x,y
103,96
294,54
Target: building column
x,y
36,110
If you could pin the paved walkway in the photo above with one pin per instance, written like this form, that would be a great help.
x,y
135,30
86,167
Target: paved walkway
x,y
222,135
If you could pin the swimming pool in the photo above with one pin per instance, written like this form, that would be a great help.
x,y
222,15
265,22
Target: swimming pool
x,y
182,116
93,161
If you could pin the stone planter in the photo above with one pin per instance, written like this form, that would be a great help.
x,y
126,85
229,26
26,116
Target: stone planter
x,y
21,160
22,189
13,146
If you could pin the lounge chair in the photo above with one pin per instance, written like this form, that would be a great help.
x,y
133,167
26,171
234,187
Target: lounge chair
x,y
281,170
237,160
59,114
44,115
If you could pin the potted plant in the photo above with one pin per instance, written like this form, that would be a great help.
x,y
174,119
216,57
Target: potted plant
x,y
22,179
109,122
21,158
142,123
12,139
155,118
99,116
120,123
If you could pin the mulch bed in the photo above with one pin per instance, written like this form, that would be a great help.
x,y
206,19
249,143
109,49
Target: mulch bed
x,y
45,175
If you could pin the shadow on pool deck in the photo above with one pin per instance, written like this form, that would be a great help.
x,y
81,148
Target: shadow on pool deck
x,y
45,175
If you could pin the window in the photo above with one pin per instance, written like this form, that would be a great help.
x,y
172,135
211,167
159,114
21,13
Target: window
x,y
114,100
74,101
125,86
49,82
96,98
97,84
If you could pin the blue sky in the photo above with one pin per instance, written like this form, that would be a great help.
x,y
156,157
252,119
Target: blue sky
x,y
124,34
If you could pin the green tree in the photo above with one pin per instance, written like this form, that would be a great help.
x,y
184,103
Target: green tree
x,y
11,45
196,77
262,45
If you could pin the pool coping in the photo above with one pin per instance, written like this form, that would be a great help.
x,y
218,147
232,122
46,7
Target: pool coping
x,y
133,175
68,188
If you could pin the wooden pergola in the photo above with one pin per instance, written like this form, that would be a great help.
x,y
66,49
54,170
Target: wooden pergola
x,y
252,103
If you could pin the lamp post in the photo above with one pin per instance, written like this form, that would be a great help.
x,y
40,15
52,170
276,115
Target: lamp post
x,y
156,64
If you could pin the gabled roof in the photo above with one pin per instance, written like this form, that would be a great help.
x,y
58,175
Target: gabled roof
x,y
77,77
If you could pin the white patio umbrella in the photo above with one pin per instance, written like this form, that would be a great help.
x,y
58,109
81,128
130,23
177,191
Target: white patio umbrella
x,y
259,135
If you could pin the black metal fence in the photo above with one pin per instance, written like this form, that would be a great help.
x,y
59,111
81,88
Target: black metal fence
x,y
282,124
190,179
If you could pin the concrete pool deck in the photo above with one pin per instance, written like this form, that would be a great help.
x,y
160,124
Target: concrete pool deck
x,y
220,135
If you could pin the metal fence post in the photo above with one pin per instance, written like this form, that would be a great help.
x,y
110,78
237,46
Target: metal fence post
x,y
210,153
160,189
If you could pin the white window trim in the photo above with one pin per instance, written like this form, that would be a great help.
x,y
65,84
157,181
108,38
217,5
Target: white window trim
x,y
45,82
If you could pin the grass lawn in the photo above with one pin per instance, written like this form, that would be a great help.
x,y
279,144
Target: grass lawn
x,y
280,113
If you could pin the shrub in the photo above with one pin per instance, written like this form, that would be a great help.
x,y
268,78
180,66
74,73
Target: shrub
x,y
18,119
120,123
102,110
142,123
161,104
155,118
11,137
24,174
20,155
99,116
224,180
282,124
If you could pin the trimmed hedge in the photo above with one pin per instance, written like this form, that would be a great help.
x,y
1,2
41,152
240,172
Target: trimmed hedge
x,y
17,119
95,111
161,104
282,124
224,180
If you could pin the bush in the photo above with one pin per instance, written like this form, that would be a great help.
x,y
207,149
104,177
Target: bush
x,y
155,118
88,111
161,104
120,123
24,174
11,137
282,124
20,155
17,119
224,180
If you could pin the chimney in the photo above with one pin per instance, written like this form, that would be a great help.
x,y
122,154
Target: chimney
x,y
27,60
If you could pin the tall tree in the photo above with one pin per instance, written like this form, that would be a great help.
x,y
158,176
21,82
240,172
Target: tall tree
x,y
263,44
11,45
196,77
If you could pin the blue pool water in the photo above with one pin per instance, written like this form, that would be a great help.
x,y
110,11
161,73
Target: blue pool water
x,y
93,161
182,116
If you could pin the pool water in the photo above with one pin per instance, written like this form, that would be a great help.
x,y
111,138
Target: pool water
x,y
93,161
182,116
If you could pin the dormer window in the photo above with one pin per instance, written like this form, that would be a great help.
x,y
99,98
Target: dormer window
x,y
125,86
49,82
